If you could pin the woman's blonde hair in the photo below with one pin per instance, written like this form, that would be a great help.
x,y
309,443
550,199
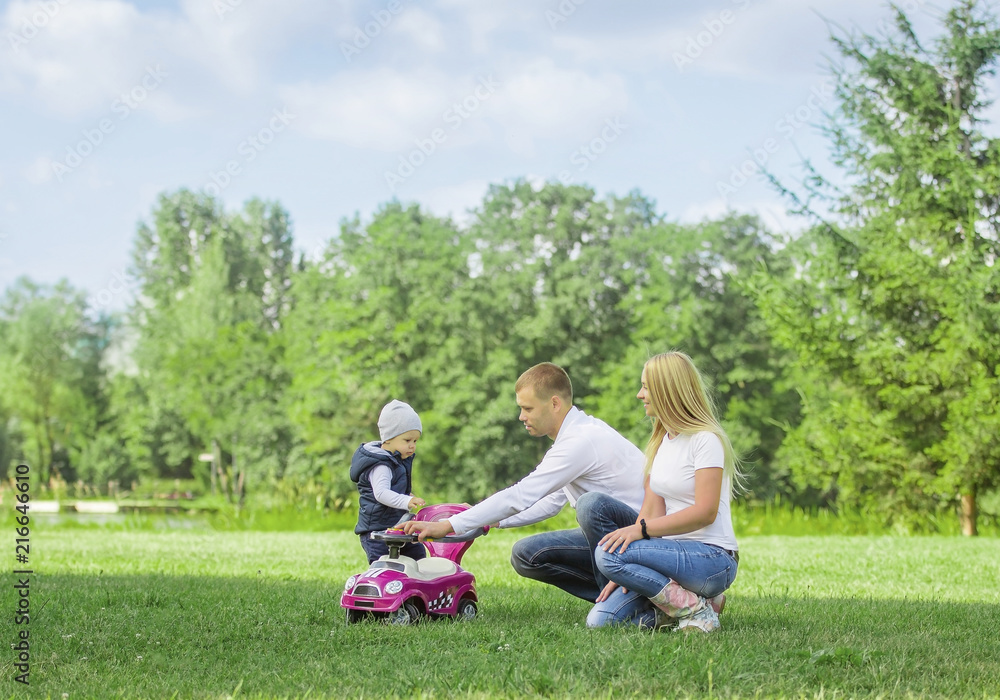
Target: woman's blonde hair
x,y
681,406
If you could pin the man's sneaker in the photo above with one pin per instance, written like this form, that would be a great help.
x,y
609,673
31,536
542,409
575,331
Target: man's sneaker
x,y
704,620
718,603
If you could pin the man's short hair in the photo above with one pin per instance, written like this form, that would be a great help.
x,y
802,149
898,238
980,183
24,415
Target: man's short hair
x,y
547,379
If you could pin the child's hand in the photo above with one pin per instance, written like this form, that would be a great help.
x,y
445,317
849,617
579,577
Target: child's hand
x,y
416,503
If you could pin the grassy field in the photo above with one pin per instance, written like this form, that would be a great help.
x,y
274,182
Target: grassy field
x,y
209,614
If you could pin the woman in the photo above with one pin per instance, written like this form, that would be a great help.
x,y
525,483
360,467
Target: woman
x,y
671,566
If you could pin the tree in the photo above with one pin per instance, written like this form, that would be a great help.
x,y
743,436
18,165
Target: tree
x,y
412,307
213,296
546,284
374,320
50,354
898,298
8,442
686,292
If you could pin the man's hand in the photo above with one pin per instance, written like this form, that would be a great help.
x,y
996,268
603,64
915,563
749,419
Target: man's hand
x,y
428,530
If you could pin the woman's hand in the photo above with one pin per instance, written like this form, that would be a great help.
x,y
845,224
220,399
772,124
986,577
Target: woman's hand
x,y
608,590
620,538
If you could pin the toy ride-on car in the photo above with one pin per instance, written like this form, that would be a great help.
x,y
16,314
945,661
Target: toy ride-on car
x,y
401,590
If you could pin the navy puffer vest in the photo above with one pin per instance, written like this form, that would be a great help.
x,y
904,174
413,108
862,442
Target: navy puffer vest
x,y
373,515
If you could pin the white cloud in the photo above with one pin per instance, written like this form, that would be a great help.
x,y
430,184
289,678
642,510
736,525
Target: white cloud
x,y
237,39
776,218
424,30
379,109
91,55
390,111
541,100
758,39
77,59
700,211
649,45
772,212
455,201
147,197
480,21
763,37
39,171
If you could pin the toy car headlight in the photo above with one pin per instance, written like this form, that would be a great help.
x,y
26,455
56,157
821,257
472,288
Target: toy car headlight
x,y
350,583
393,587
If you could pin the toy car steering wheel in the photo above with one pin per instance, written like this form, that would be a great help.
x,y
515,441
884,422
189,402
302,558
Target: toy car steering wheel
x,y
394,536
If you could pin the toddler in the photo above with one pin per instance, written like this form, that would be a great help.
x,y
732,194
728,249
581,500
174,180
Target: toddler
x,y
383,472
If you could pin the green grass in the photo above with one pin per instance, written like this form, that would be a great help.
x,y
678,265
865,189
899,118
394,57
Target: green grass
x,y
210,614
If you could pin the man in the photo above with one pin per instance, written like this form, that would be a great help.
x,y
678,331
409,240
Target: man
x,y
587,455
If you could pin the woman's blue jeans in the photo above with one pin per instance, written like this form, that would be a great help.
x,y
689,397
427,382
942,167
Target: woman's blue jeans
x,y
646,566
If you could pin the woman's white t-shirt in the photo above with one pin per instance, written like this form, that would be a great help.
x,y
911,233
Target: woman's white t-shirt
x,y
672,477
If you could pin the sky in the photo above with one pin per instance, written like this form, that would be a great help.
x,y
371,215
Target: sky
x,y
334,107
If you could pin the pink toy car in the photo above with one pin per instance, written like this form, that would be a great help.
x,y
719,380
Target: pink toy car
x,y
401,590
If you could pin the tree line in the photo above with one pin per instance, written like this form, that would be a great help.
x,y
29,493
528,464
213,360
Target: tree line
x,y
855,363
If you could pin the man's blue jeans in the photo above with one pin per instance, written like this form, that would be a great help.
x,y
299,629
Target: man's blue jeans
x,y
565,558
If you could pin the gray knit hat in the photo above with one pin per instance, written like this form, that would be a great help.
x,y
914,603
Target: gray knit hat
x,y
397,418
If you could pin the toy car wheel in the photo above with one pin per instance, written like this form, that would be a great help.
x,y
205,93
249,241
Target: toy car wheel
x,y
467,609
355,616
407,614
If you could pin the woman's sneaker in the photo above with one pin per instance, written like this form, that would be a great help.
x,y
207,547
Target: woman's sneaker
x,y
705,620
718,603
663,621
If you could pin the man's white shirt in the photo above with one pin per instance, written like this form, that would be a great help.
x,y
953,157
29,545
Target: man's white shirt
x,y
587,455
